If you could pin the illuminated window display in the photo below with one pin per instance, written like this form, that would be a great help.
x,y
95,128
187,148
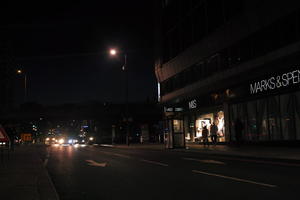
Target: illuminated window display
x,y
207,120
178,126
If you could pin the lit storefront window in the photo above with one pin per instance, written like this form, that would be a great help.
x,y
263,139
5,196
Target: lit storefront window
x,y
206,120
178,126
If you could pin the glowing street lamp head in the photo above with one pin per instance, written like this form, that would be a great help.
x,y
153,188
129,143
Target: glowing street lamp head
x,y
113,52
19,71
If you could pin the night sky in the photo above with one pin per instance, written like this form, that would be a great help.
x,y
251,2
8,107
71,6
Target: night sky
x,y
63,47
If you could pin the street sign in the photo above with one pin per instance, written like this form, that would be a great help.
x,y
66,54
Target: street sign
x,y
26,137
3,135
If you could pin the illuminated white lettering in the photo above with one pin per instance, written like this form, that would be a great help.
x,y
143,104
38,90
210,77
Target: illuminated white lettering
x,y
258,87
193,104
290,77
263,85
276,82
285,81
253,88
295,77
272,83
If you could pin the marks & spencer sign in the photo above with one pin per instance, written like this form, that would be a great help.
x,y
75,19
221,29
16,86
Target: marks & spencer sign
x,y
291,78
193,104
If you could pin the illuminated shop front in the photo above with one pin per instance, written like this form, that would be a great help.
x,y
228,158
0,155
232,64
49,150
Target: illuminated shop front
x,y
194,131
270,109
267,106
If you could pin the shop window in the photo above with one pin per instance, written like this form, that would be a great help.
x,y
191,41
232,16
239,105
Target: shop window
x,y
178,126
206,120
263,133
220,122
192,127
188,134
274,118
233,117
251,126
287,106
201,122
297,117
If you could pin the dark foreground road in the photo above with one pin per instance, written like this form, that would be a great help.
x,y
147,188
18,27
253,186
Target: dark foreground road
x,y
108,173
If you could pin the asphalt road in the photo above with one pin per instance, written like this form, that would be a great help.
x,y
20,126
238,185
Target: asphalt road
x,y
93,172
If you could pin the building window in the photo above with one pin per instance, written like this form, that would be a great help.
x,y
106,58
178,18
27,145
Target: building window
x,y
178,126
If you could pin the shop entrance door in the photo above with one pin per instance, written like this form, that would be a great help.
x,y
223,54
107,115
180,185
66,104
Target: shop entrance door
x,y
178,134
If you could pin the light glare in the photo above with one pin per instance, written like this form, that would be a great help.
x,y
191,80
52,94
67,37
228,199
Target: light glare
x,y
113,52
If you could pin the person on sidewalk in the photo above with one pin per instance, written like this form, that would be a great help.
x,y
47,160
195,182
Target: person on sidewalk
x,y
238,131
214,133
205,136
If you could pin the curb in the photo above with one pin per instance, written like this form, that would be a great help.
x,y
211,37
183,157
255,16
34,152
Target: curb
x,y
51,183
259,159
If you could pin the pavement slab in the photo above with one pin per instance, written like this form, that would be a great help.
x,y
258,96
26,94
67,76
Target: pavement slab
x,y
23,176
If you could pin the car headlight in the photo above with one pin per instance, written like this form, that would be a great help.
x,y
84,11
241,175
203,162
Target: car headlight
x,y
61,141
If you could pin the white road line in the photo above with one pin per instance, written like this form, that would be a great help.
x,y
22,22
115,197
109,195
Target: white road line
x,y
115,154
206,161
47,158
155,163
106,145
121,155
233,178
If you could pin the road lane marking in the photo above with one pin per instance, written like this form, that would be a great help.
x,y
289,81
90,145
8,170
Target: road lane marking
x,y
96,164
155,163
121,155
106,145
47,158
233,178
115,154
206,161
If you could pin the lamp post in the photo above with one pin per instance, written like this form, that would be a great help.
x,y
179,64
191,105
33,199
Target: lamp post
x,y
19,71
114,52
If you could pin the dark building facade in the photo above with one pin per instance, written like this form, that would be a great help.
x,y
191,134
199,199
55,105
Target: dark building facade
x,y
6,75
223,61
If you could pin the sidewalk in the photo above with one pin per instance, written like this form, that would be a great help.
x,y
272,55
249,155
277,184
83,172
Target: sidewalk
x,y
24,177
254,151
283,153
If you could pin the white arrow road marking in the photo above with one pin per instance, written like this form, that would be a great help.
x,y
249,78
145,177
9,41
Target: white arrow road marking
x,y
233,178
206,161
155,163
96,164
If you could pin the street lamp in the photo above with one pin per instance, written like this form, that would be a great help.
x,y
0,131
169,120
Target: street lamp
x,y
114,52
19,71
